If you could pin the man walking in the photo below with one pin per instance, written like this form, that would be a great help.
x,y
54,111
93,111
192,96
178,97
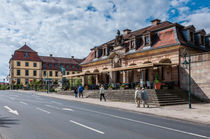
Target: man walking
x,y
102,93
137,97
75,92
144,97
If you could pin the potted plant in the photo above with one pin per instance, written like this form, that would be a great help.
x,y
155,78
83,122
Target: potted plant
x,y
110,87
122,86
157,83
86,87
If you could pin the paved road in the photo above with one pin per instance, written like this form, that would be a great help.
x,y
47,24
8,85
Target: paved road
x,y
29,116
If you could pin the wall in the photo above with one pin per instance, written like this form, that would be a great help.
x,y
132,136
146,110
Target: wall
x,y
200,76
22,69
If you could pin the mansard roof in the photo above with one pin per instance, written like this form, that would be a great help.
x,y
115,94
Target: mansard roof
x,y
162,34
59,60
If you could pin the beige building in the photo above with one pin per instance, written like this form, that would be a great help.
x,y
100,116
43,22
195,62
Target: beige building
x,y
27,66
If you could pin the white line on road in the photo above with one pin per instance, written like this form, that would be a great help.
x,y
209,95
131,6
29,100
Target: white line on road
x,y
67,109
42,110
87,127
56,102
11,111
146,123
54,107
23,103
11,98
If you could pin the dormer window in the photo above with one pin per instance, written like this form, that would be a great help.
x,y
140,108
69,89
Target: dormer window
x,y
95,54
132,44
26,55
191,36
147,40
202,40
104,53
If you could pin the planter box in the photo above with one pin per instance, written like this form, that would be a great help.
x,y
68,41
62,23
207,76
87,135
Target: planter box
x,y
157,86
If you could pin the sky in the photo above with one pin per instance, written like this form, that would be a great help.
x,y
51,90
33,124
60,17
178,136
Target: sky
x,y
68,28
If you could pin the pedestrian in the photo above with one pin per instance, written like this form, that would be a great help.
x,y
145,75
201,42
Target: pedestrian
x,y
101,92
144,97
75,92
81,91
137,97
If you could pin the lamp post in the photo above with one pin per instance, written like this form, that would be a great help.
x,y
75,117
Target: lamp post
x,y
189,76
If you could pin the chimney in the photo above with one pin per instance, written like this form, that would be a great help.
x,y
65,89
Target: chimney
x,y
72,57
126,31
155,22
51,55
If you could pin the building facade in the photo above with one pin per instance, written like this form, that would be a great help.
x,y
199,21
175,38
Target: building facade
x,y
144,56
27,66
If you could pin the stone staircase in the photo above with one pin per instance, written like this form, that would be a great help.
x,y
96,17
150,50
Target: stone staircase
x,y
162,97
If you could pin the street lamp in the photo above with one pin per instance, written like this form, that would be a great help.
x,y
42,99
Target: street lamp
x,y
185,63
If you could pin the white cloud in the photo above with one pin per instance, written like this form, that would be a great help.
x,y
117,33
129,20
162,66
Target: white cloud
x,y
69,27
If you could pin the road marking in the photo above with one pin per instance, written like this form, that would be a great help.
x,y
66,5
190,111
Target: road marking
x,y
23,103
11,111
67,109
87,127
11,98
146,123
56,102
42,110
54,107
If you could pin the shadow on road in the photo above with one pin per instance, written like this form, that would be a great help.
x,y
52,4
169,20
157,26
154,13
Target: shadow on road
x,y
6,121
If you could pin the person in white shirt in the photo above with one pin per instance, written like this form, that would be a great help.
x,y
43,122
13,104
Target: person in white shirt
x,y
137,97
101,92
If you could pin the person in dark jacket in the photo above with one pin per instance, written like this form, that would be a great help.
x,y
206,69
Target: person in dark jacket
x,y
81,91
144,97
75,92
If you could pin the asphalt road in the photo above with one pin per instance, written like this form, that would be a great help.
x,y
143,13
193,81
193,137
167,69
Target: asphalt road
x,y
29,116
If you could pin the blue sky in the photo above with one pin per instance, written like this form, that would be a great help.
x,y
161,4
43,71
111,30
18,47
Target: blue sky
x,y
72,27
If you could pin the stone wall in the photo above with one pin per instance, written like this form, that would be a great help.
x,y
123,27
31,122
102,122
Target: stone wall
x,y
200,76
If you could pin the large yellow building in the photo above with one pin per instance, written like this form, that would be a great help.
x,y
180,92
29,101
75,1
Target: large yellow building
x,y
27,66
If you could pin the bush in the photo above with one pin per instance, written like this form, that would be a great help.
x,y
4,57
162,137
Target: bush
x,y
52,90
3,87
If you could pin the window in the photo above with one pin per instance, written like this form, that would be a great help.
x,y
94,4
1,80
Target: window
x,y
67,67
26,72
202,40
45,73
78,67
26,55
26,81
26,64
56,66
50,65
61,66
18,81
18,63
35,64
44,65
132,44
56,74
72,66
147,40
18,72
95,54
72,72
104,51
50,73
67,73
34,72
191,36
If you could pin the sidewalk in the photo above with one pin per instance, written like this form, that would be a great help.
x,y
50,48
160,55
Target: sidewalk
x,y
200,113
